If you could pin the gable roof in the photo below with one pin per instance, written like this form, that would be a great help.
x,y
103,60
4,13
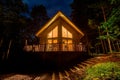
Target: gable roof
x,y
59,14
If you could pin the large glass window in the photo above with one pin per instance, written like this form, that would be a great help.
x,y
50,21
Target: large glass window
x,y
53,44
66,33
66,40
52,40
53,33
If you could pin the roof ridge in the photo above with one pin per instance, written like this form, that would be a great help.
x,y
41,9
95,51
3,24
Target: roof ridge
x,y
59,14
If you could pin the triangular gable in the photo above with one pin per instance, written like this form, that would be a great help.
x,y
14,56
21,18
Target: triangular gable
x,y
59,14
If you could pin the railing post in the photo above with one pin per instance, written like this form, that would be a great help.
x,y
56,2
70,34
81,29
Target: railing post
x,y
44,47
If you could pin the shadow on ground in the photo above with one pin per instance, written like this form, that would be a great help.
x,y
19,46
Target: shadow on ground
x,y
39,62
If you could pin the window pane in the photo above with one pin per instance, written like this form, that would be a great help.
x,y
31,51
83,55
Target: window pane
x,y
64,32
64,41
55,32
69,41
55,41
50,34
69,35
49,41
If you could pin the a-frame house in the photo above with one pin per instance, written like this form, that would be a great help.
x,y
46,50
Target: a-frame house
x,y
59,34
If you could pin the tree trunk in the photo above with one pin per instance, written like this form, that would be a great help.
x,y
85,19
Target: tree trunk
x,y
102,46
101,41
109,44
118,46
26,42
96,49
114,48
88,45
108,39
8,51
1,41
105,45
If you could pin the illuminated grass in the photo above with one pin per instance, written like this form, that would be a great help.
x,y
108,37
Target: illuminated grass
x,y
103,71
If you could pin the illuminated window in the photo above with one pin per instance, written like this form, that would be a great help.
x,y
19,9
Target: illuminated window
x,y
53,33
69,41
50,34
69,35
55,41
66,33
67,45
64,41
50,41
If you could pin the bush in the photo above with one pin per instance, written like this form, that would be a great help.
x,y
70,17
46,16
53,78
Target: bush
x,y
103,71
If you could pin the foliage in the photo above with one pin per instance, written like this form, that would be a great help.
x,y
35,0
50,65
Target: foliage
x,y
81,15
10,11
39,17
11,23
111,25
114,32
114,1
103,71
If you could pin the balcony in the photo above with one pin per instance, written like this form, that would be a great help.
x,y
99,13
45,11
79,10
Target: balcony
x,y
55,48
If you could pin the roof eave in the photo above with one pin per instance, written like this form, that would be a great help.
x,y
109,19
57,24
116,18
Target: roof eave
x,y
54,18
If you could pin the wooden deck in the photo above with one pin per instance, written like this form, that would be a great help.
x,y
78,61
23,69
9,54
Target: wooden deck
x,y
55,47
55,59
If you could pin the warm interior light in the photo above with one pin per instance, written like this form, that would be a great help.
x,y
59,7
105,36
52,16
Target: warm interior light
x,y
66,33
53,33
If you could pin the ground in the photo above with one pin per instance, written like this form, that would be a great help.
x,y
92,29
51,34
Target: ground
x,y
74,73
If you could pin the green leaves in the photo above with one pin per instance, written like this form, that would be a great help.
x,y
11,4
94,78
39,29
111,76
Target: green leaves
x,y
102,71
114,32
111,25
92,24
114,1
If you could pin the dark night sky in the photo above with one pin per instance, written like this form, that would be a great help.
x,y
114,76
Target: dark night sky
x,y
52,6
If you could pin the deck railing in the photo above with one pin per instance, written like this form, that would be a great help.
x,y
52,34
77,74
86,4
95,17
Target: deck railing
x,y
55,47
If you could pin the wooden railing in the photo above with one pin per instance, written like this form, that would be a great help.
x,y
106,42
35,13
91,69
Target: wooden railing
x,y
54,47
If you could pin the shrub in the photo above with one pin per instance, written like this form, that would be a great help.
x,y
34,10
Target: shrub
x,y
103,71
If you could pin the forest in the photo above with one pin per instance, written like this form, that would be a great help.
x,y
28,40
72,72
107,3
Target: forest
x,y
98,19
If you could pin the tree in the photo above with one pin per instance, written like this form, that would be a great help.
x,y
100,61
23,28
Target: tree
x,y
102,7
38,19
98,14
39,16
10,22
110,15
81,17
112,23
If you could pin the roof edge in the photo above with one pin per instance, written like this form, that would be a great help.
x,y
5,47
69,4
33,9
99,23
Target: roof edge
x,y
59,13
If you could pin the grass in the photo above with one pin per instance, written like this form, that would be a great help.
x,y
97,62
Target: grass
x,y
103,71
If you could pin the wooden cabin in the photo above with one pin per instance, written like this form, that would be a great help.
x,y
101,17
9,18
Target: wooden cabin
x,y
58,34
